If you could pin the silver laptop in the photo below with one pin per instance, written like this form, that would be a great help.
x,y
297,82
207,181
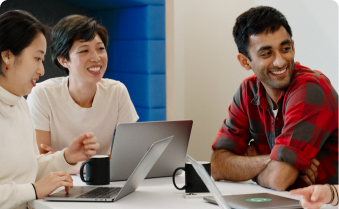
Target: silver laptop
x,y
104,194
132,139
243,201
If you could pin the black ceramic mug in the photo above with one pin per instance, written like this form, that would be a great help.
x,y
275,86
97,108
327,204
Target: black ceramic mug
x,y
97,170
193,182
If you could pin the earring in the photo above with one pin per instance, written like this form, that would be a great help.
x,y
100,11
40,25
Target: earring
x,y
6,63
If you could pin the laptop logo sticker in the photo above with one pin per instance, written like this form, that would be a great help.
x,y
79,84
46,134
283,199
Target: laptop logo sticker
x,y
258,200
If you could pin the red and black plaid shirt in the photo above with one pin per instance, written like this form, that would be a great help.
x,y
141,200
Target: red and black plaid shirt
x,y
306,125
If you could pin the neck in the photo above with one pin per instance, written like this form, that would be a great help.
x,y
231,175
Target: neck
x,y
4,83
82,93
274,94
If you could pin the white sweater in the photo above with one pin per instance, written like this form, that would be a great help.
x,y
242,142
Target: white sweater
x,y
20,161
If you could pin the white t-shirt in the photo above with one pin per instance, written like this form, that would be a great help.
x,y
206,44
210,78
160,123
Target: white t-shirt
x,y
20,161
53,109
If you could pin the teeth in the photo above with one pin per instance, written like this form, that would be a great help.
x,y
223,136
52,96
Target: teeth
x,y
94,69
34,81
278,72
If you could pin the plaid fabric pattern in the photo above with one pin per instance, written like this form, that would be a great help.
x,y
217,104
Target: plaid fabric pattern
x,y
306,125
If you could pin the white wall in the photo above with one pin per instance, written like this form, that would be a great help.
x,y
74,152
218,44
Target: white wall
x,y
202,70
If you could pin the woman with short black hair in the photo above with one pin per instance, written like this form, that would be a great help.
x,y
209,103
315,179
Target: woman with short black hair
x,y
70,29
25,174
63,107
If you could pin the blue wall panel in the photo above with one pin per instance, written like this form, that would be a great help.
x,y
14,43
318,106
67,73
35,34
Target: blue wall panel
x,y
146,114
147,91
138,56
146,22
109,4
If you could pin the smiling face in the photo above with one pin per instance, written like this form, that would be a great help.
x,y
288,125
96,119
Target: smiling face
x,y
87,60
24,70
272,58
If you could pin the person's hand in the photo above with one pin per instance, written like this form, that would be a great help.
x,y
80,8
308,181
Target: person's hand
x,y
312,173
76,169
51,182
49,149
313,196
82,148
252,150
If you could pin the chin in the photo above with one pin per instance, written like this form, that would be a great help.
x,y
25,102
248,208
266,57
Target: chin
x,y
96,80
282,85
27,92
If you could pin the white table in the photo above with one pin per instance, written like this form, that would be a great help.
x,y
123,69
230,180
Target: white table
x,y
159,193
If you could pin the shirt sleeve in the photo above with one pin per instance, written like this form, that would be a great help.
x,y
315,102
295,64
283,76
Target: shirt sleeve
x,y
50,163
39,108
12,195
308,115
126,112
234,133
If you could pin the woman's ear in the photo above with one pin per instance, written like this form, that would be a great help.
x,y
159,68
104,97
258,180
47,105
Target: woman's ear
x,y
6,56
63,61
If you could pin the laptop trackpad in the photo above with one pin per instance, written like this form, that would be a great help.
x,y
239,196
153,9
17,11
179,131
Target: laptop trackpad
x,y
73,192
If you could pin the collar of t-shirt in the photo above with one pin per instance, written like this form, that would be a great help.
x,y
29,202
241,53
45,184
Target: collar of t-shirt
x,y
271,106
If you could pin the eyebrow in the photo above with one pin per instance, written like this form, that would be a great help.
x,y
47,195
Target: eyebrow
x,y
87,45
287,41
82,46
42,52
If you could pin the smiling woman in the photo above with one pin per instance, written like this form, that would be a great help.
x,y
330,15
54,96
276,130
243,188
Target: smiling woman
x,y
25,174
22,56
66,106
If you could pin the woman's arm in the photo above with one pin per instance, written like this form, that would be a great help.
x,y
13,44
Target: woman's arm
x,y
44,144
12,194
43,137
82,148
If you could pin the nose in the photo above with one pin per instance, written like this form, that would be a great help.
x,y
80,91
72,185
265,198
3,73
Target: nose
x,y
41,69
279,61
95,57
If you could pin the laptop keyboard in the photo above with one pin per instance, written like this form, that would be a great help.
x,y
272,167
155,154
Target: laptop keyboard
x,y
101,192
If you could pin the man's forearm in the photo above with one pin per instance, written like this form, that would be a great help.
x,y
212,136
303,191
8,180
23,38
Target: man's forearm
x,y
277,175
226,165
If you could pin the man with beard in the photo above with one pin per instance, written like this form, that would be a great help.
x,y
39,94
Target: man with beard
x,y
282,127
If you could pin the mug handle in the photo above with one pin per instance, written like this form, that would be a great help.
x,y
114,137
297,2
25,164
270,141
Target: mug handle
x,y
173,178
82,172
